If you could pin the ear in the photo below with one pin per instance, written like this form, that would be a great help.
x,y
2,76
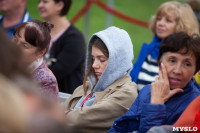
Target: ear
x,y
24,2
60,5
41,53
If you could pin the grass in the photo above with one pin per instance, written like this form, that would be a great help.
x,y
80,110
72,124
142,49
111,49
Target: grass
x,y
140,9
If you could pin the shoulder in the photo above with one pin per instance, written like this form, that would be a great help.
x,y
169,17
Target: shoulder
x,y
72,28
78,91
145,93
123,82
44,73
73,99
47,80
123,88
142,99
146,89
72,31
195,86
72,37
195,91
27,16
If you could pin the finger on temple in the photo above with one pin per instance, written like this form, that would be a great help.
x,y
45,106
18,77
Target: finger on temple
x,y
159,74
164,71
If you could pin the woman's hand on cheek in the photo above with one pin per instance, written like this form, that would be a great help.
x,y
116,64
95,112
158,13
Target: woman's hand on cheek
x,y
160,89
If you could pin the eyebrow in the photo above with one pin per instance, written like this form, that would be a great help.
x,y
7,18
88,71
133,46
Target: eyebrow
x,y
100,56
187,58
22,42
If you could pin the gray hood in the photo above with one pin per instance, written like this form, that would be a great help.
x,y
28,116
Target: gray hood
x,y
120,59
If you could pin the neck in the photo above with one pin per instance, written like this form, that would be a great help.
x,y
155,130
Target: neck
x,y
59,23
13,17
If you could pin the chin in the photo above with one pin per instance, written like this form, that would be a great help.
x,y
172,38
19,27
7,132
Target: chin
x,y
161,36
42,15
175,87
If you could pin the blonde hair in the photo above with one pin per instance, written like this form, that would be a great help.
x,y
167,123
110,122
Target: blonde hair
x,y
186,20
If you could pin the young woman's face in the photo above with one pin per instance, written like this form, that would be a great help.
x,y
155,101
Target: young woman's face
x,y
29,51
180,68
99,61
165,24
48,9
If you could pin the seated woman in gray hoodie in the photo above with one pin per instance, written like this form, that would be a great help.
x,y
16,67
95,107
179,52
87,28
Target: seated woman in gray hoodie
x,y
107,91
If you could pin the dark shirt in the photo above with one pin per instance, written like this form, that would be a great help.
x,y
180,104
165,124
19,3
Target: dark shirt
x,y
68,57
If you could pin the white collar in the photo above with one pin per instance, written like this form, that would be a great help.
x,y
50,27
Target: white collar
x,y
35,64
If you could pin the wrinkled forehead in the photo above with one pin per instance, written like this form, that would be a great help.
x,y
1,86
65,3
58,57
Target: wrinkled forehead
x,y
186,51
183,52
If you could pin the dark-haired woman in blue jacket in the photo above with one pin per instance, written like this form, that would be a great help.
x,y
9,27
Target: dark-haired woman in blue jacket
x,y
163,101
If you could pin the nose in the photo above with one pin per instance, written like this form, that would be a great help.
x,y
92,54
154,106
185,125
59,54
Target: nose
x,y
177,69
161,21
95,64
39,4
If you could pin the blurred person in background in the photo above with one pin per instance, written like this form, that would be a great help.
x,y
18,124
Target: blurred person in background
x,y
171,17
33,38
66,53
107,91
195,7
44,113
191,116
12,65
197,78
13,114
13,13
24,109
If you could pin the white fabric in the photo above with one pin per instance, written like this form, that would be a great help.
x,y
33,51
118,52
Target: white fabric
x,y
35,64
149,68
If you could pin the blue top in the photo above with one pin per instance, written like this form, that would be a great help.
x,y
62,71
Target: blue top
x,y
142,115
10,30
153,49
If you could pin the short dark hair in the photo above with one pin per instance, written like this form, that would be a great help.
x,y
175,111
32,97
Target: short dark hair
x,y
182,43
36,33
67,5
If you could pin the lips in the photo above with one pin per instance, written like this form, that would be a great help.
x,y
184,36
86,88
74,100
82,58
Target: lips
x,y
174,80
160,30
41,10
98,73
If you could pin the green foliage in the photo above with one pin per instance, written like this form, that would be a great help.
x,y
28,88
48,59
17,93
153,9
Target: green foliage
x,y
140,9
